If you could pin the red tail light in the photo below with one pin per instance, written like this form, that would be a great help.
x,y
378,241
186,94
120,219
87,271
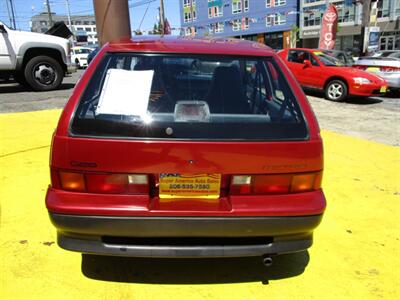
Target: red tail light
x,y
108,184
389,69
275,184
72,181
100,183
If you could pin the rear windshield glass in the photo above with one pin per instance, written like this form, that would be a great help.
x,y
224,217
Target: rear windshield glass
x,y
189,97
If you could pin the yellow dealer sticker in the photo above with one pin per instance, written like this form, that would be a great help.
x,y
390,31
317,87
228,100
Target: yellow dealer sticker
x,y
383,89
373,69
189,186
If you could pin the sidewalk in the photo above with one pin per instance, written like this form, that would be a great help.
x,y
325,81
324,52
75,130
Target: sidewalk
x,y
355,253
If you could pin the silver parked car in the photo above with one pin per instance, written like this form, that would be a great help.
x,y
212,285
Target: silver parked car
x,y
385,64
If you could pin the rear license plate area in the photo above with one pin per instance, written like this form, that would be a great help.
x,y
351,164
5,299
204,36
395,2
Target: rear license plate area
x,y
192,186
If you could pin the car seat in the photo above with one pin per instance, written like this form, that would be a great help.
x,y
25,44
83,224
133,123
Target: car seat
x,y
226,93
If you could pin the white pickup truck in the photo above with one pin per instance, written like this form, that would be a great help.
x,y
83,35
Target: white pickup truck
x,y
39,61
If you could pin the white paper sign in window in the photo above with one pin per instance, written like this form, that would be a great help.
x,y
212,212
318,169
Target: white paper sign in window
x,y
125,92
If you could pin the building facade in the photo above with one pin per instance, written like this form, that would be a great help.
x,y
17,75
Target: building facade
x,y
350,23
272,22
83,27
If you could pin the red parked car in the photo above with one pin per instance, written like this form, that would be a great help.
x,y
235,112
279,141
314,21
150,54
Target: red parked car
x,y
175,147
317,70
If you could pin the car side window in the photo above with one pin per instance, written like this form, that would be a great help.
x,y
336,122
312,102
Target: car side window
x,y
314,61
341,58
296,56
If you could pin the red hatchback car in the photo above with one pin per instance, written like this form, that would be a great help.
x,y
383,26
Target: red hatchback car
x,y
317,70
175,147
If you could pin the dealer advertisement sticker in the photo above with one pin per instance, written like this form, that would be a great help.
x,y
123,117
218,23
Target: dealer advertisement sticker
x,y
189,186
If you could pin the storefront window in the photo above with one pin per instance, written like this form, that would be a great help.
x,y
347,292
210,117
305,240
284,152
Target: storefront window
x,y
274,40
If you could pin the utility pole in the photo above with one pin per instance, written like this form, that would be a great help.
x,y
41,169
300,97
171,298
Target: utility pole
x,y
13,14
49,13
366,13
69,15
162,17
70,23
112,20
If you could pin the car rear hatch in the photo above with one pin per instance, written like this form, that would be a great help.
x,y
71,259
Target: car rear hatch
x,y
220,136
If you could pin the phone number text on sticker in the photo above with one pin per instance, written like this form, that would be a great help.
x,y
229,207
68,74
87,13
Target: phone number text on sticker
x,y
190,186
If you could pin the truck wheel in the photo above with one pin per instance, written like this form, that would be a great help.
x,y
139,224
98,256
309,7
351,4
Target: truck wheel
x,y
43,73
336,90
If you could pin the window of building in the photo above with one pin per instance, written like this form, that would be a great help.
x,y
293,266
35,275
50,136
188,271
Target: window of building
x,y
43,23
236,24
275,19
240,24
188,3
346,13
272,3
236,6
194,16
88,29
397,8
312,18
187,17
245,23
216,27
190,31
215,11
246,5
219,27
86,23
78,23
280,19
383,8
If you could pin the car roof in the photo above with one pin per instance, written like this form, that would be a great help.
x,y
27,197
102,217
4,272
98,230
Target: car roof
x,y
179,44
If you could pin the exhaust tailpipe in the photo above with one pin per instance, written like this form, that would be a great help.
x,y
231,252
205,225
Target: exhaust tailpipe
x,y
267,261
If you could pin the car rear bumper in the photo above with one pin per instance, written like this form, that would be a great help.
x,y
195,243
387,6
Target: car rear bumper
x,y
393,79
184,236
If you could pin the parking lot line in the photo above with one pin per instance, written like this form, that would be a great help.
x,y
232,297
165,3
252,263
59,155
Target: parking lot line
x,y
355,253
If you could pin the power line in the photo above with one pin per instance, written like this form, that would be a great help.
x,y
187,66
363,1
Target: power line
x,y
8,11
140,3
12,14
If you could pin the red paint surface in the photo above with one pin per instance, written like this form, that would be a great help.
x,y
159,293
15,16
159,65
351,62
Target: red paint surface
x,y
155,157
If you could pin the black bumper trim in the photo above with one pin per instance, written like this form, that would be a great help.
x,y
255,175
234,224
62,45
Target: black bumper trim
x,y
184,226
85,234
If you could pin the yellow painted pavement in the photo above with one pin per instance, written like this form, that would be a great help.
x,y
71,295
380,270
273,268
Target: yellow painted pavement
x,y
356,251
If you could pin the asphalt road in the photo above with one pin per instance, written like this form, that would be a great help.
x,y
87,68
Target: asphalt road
x,y
375,119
